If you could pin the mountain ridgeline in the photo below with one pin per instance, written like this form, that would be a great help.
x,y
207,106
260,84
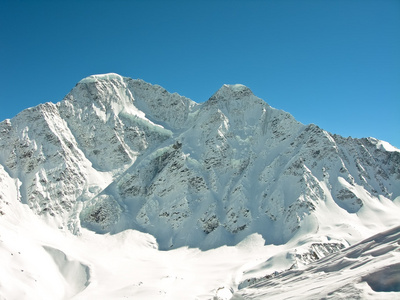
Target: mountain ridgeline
x,y
118,153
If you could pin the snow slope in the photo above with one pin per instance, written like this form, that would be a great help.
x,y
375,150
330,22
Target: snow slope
x,y
367,270
43,262
232,187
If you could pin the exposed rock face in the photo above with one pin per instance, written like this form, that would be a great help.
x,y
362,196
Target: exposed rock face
x,y
118,153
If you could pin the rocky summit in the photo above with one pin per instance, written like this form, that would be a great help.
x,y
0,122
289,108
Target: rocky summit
x,y
118,153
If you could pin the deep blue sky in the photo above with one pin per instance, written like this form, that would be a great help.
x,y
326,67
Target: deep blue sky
x,y
332,63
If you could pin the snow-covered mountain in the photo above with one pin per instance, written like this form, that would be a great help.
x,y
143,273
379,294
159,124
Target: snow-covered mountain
x,y
118,154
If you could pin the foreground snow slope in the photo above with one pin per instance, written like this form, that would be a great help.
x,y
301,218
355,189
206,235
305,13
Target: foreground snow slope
x,y
367,270
96,184
43,262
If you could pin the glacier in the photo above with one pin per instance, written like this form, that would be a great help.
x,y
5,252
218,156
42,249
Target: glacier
x,y
122,157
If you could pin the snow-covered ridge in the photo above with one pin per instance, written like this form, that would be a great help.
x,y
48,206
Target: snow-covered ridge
x,y
99,77
233,89
384,145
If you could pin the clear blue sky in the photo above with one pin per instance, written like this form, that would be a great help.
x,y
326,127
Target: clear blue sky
x,y
332,63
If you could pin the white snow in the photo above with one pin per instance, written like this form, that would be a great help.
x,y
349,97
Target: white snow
x,y
98,77
387,146
235,87
367,270
40,262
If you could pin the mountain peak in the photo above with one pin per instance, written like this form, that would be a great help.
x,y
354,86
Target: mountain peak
x,y
235,95
233,91
101,77
235,87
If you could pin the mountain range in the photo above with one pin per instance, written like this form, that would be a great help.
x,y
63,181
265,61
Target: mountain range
x,y
119,155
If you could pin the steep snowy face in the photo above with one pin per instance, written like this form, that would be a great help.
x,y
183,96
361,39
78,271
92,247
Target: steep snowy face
x,y
200,182
119,153
41,155
112,118
171,111
110,130
62,155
